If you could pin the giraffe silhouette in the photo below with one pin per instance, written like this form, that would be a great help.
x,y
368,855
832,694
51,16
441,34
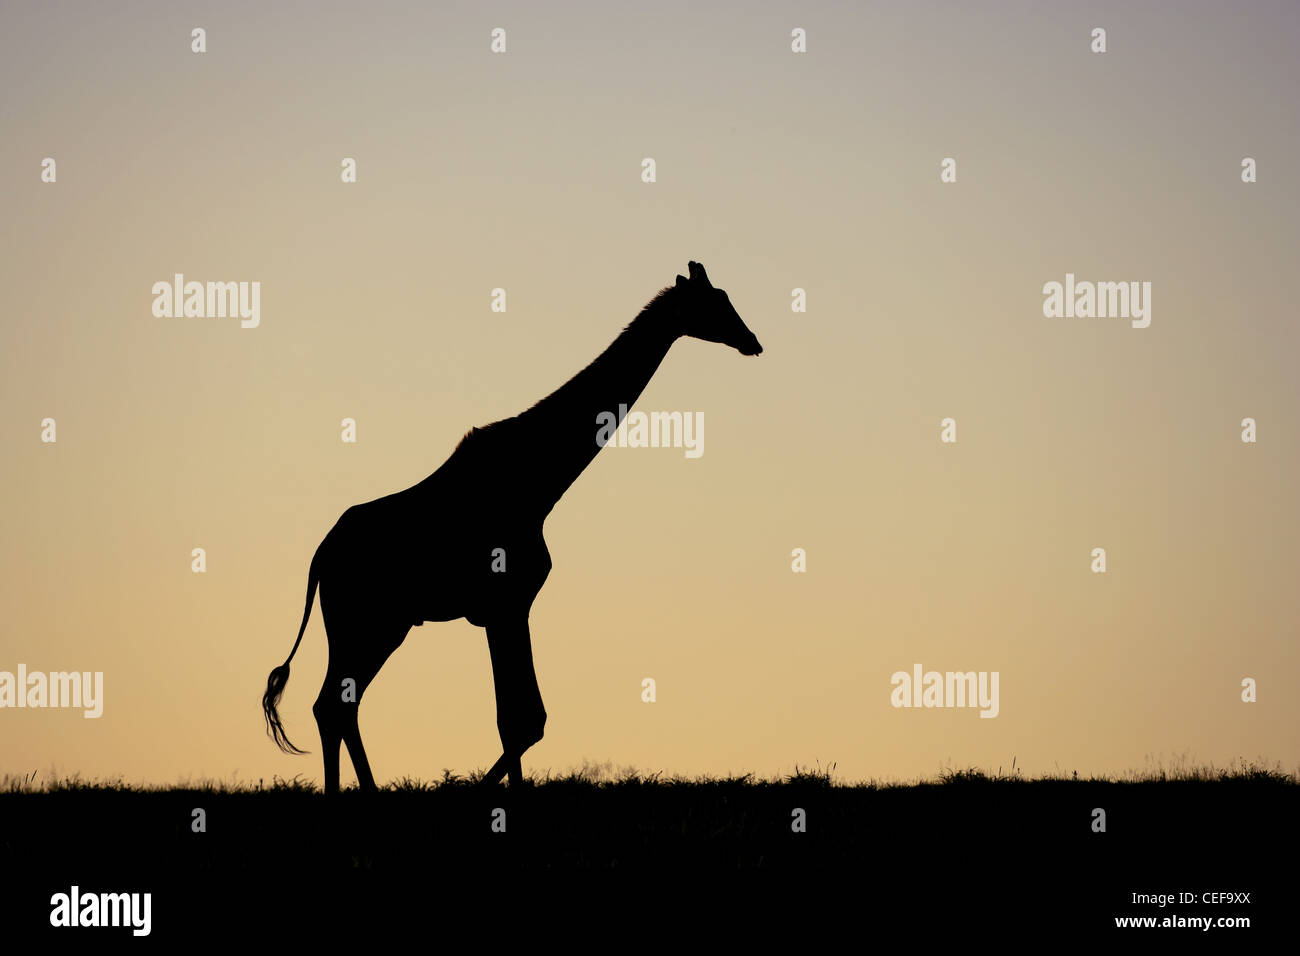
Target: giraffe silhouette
x,y
467,540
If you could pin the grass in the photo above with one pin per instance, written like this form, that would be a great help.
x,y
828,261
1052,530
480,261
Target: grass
x,y
963,837
605,776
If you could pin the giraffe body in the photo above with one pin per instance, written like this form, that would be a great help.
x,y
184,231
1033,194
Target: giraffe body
x,y
432,552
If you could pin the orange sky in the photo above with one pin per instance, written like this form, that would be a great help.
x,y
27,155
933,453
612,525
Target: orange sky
x,y
778,171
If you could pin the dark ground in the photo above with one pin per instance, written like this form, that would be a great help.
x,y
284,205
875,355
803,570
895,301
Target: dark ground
x,y
964,859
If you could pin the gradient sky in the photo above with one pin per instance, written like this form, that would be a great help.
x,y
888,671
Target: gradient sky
x,y
775,170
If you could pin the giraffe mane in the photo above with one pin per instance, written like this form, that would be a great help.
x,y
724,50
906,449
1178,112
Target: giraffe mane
x,y
656,301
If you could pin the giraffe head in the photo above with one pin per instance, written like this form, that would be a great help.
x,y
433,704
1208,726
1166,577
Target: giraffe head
x,y
708,314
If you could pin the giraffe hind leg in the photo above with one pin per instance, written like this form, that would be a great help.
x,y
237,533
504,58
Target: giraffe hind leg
x,y
328,719
360,764
355,658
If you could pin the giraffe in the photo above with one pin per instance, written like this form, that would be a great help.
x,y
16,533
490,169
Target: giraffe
x,y
396,562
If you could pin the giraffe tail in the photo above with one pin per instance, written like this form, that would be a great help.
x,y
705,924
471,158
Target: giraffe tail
x,y
280,676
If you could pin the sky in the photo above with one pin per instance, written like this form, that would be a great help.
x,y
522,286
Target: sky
x,y
523,171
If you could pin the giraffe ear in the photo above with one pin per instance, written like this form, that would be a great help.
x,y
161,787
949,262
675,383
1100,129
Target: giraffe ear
x,y
681,280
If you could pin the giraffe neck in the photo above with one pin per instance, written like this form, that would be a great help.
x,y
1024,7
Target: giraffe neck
x,y
563,427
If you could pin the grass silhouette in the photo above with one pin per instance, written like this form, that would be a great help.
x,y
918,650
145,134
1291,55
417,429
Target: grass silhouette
x,y
605,776
989,841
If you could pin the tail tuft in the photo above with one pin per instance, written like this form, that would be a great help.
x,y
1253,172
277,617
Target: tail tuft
x,y
270,701
280,676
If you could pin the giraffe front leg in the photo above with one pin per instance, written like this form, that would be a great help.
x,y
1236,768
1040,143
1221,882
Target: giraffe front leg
x,y
521,718
499,770
505,765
